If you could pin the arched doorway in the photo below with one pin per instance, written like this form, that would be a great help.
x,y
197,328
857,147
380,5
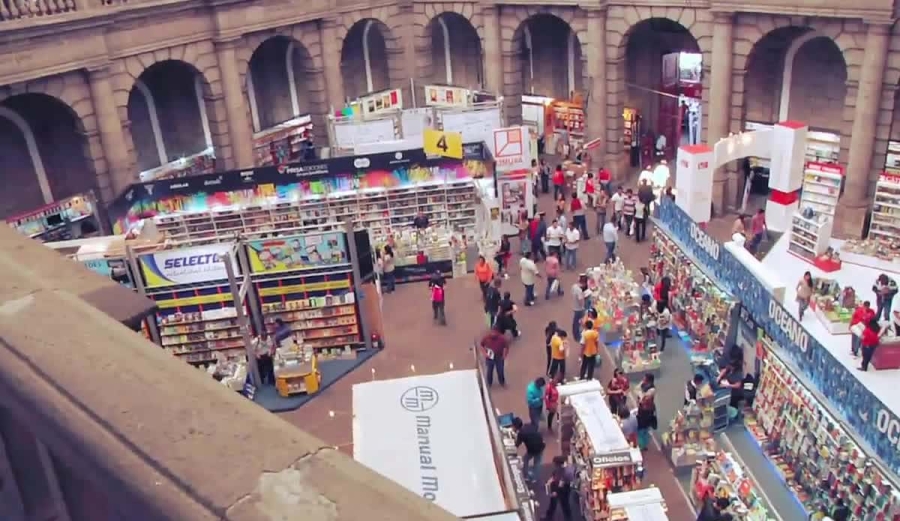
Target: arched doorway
x,y
169,123
278,82
364,58
549,56
44,151
663,76
455,52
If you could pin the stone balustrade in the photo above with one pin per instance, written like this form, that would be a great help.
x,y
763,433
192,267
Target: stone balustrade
x,y
30,9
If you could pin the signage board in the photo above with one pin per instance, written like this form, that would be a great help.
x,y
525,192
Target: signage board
x,y
384,102
185,266
444,96
442,143
512,150
301,252
875,423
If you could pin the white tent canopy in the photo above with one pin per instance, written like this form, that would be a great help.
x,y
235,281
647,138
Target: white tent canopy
x,y
430,434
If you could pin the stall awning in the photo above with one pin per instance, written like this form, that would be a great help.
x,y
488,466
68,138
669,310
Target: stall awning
x,y
120,303
430,434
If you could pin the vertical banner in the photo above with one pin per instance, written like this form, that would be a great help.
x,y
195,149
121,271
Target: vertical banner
x,y
512,148
785,173
694,181
515,199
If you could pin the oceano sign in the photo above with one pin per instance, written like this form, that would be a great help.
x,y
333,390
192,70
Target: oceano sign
x,y
705,242
789,325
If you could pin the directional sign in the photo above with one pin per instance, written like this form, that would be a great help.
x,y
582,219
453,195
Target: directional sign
x,y
444,144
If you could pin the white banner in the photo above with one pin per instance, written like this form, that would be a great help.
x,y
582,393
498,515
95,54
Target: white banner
x,y
349,134
414,122
511,148
474,125
430,434
185,266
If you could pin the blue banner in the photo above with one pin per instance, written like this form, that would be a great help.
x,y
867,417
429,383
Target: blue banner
x,y
866,414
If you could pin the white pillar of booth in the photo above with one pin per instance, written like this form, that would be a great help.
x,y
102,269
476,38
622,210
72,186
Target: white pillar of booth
x,y
694,181
785,173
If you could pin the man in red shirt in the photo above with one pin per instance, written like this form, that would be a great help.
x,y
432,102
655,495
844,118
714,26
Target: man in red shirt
x,y
605,178
496,347
559,182
863,314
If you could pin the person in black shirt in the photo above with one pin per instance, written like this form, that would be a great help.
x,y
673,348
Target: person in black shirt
x,y
506,316
712,510
421,221
549,331
841,511
492,298
530,437
691,388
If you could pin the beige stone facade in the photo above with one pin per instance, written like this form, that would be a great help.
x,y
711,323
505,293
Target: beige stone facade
x,y
93,92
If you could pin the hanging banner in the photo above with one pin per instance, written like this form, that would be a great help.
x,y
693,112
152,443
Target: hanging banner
x,y
876,424
512,149
185,266
443,96
115,269
384,102
302,252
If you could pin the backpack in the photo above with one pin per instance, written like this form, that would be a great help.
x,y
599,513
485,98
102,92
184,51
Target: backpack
x,y
437,293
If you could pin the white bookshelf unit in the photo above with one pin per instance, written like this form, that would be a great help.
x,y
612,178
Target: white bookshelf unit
x,y
822,147
821,188
448,205
885,224
810,237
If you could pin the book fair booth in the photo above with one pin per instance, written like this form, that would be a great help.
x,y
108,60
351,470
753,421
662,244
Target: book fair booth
x,y
71,218
558,121
438,436
813,424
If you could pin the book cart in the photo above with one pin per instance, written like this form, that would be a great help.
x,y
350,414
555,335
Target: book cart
x,y
721,475
592,440
813,452
691,433
638,505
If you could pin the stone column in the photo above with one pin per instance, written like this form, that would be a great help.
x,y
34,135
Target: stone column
x,y
719,116
235,109
408,56
110,128
596,67
852,211
493,56
331,59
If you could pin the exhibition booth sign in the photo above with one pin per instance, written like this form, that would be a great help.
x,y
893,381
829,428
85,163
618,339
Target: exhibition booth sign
x,y
292,182
862,410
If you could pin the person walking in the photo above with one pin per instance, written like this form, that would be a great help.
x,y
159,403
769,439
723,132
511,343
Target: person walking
x,y
610,238
885,289
529,436
579,305
572,240
618,200
629,207
387,268
537,232
551,401
545,177
579,219
437,304
504,252
646,417
534,396
590,349
663,324
484,274
496,347
506,315
529,273
804,293
758,228
492,300
559,182
601,206
558,349
863,314
617,390
870,338
551,271
641,215
560,489
554,238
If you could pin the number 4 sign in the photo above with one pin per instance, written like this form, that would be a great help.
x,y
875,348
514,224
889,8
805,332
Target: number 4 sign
x,y
443,144
512,151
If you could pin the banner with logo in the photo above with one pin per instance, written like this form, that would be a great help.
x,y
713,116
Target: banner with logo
x,y
115,269
875,423
430,435
185,266
301,252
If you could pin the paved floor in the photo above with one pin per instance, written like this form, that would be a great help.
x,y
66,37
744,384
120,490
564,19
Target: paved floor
x,y
415,345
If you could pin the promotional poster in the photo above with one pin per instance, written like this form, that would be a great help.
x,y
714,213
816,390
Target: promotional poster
x,y
302,252
877,425
185,266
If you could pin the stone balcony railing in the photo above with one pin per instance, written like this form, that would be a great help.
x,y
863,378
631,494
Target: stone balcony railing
x,y
98,424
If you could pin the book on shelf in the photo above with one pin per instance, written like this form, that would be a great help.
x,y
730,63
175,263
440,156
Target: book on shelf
x,y
821,188
885,222
810,234
197,336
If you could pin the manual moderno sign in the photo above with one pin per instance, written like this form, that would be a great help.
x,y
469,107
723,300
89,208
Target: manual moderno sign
x,y
512,150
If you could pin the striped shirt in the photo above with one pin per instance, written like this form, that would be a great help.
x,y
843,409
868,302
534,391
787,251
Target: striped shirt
x,y
629,207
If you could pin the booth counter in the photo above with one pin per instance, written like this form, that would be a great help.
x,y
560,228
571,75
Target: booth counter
x,y
70,218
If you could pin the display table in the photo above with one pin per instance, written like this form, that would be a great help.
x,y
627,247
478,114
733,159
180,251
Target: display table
x,y
296,374
637,505
876,254
691,432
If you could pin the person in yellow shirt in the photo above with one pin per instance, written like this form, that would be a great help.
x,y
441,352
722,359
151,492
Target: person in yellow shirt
x,y
559,344
590,349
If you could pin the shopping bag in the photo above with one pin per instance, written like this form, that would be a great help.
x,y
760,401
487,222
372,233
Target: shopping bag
x,y
555,286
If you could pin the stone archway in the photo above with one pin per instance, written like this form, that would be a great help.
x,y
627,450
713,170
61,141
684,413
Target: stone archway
x,y
454,53
764,73
549,56
814,83
45,151
365,57
278,79
167,109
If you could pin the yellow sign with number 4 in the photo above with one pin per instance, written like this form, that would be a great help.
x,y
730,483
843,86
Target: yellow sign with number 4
x,y
444,144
